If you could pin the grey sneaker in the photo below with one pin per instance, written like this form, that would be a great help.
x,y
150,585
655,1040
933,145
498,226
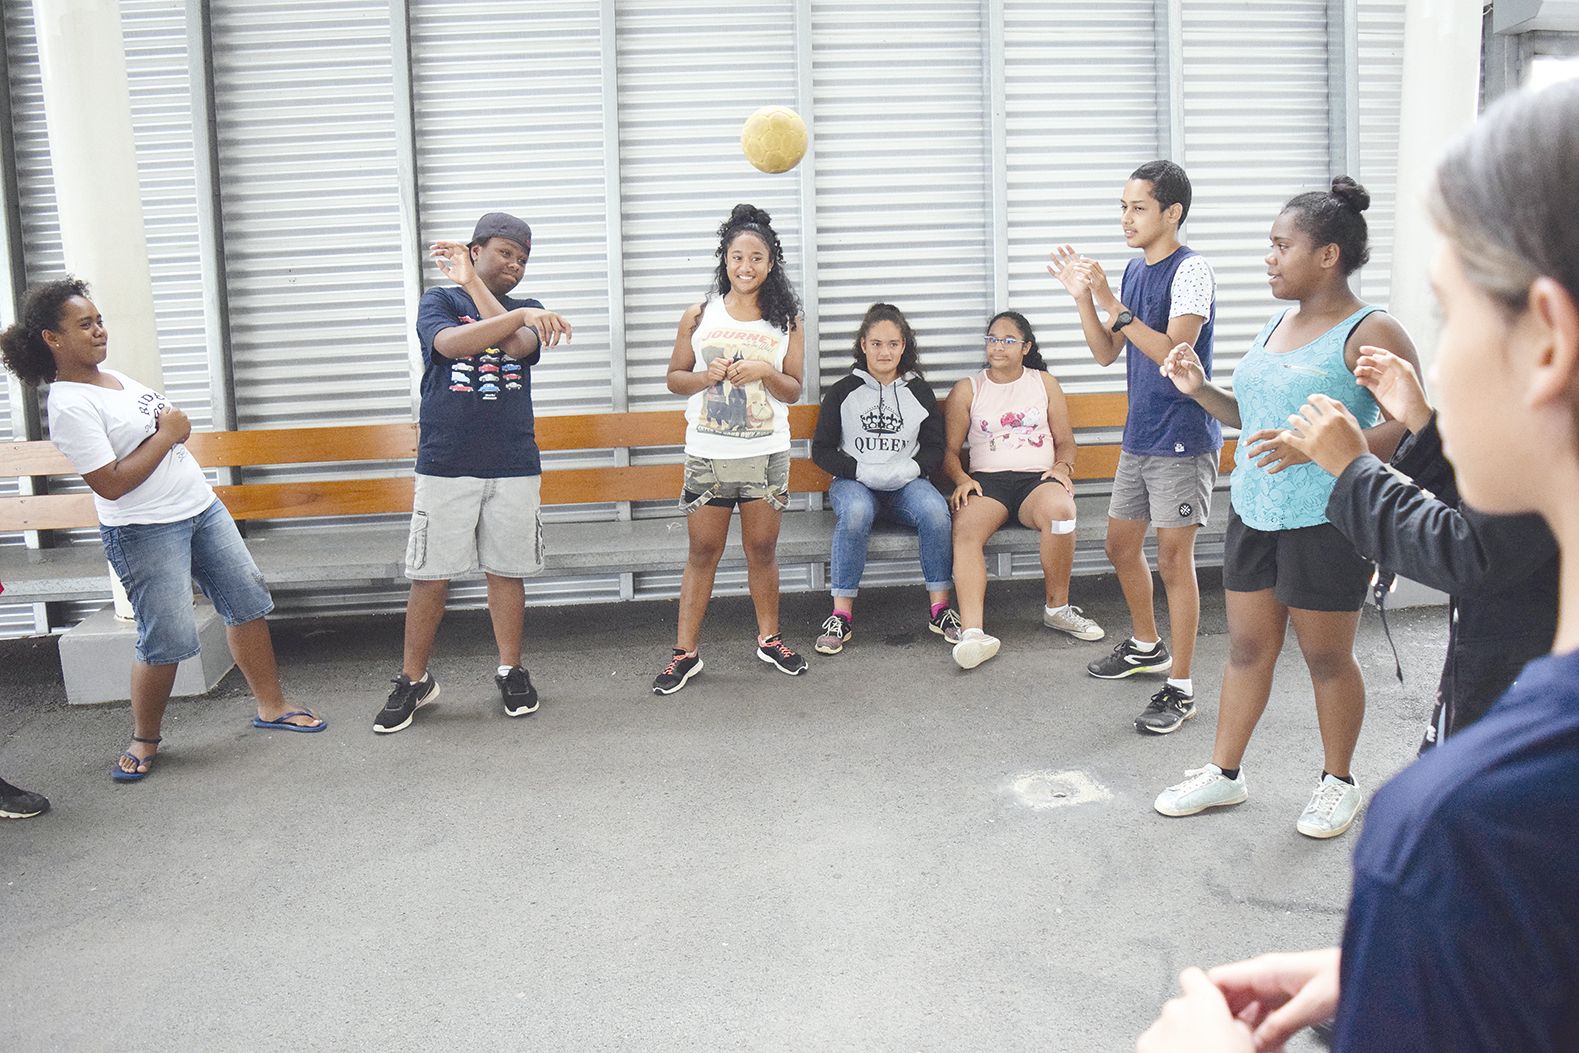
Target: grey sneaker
x,y
17,803
974,648
1073,621
835,631
1167,711
1332,808
946,625
1202,788
1127,660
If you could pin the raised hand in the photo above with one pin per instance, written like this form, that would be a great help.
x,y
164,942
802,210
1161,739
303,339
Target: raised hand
x,y
455,260
1198,1021
1395,385
1326,432
1183,367
1067,267
551,327
1101,291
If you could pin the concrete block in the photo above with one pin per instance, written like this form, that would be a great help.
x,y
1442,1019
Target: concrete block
x,y
96,657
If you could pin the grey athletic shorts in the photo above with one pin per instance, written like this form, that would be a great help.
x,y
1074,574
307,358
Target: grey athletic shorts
x,y
1169,491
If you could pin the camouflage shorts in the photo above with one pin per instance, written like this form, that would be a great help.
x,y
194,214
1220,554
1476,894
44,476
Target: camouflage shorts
x,y
727,481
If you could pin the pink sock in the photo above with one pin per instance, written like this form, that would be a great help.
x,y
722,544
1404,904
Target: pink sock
x,y
843,614
936,607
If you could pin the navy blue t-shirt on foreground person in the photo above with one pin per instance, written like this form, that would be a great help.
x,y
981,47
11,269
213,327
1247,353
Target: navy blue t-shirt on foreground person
x,y
477,503
1463,927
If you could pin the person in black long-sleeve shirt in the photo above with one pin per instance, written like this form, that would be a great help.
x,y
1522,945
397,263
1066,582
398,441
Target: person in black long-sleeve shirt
x,y
880,435
1500,572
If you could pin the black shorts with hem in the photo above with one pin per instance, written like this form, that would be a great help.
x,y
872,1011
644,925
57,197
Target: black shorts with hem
x,y
1010,489
1311,568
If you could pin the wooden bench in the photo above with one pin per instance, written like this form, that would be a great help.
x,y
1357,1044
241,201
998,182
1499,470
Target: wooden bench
x,y
360,553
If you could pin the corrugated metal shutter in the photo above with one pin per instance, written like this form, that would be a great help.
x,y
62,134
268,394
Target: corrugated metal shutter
x,y
304,109
1082,114
689,75
903,200
1255,134
1381,98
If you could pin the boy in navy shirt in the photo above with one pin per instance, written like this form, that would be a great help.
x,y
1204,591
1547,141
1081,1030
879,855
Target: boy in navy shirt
x,y
1168,465
477,502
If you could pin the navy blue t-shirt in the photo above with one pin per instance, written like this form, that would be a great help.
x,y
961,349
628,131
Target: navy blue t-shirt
x,y
1162,421
1463,931
476,415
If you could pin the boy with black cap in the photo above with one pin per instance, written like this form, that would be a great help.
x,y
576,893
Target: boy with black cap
x,y
477,500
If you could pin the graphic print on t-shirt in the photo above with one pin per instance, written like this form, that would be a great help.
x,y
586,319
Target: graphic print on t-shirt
x,y
741,411
487,373
152,405
1014,430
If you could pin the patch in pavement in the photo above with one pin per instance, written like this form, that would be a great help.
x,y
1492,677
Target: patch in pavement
x,y
1057,789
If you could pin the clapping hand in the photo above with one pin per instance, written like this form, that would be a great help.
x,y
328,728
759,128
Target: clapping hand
x,y
1326,432
1395,385
1183,367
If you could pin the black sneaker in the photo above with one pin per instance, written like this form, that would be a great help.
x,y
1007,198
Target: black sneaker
x,y
946,624
16,803
1169,709
681,668
520,697
835,631
1126,660
777,654
404,702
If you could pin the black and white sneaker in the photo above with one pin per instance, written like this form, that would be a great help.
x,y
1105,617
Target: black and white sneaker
x,y
776,653
404,701
1126,660
1167,712
520,697
681,668
17,803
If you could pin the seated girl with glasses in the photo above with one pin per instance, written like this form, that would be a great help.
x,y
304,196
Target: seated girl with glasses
x,y
1013,418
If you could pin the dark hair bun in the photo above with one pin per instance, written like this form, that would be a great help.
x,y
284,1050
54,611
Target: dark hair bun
x,y
743,214
1351,193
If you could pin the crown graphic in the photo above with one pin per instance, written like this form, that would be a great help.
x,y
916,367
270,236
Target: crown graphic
x,y
882,421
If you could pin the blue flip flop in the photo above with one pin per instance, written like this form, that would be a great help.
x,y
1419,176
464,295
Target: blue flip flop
x,y
283,723
120,774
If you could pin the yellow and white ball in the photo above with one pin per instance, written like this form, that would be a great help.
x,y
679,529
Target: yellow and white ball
x,y
774,139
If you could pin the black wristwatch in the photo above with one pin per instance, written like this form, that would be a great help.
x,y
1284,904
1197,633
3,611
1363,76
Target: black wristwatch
x,y
1124,318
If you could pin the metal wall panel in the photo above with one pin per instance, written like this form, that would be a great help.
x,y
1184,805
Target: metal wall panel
x,y
1381,26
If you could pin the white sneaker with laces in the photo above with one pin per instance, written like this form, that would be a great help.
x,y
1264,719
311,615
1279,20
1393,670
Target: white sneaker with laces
x,y
1072,620
1332,808
974,648
1202,788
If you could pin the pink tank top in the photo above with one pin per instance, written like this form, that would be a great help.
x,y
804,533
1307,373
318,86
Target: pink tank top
x,y
1008,425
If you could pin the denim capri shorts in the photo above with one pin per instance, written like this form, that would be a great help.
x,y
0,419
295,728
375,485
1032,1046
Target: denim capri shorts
x,y
157,562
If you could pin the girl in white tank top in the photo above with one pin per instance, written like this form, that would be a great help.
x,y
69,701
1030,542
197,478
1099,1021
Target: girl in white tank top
x,y
1014,421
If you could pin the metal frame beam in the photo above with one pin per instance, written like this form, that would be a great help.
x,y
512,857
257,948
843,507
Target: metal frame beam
x,y
411,255
210,222
996,96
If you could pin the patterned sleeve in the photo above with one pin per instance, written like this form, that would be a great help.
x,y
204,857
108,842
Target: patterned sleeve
x,y
1194,287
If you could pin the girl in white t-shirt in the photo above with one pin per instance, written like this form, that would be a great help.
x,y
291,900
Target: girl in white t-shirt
x,y
739,356
161,524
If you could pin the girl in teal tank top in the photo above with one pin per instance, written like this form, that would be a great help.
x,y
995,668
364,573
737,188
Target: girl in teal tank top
x,y
1283,562
1270,387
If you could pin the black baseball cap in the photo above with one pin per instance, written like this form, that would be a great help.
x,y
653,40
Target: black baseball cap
x,y
503,225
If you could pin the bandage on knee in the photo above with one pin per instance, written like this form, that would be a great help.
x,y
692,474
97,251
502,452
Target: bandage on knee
x,y
1061,526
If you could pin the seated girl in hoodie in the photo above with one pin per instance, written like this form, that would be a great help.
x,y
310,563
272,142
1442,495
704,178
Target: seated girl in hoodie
x,y
880,435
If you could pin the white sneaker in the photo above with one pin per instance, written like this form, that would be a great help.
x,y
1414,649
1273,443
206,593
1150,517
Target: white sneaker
x,y
1072,620
974,648
1331,810
1203,788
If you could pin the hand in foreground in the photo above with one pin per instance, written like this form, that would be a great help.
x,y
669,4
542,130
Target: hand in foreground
x,y
455,260
1198,1021
1395,385
962,493
551,328
1278,994
1183,367
745,370
1325,432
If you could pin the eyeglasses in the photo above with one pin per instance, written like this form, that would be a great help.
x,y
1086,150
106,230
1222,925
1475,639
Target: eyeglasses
x,y
1008,343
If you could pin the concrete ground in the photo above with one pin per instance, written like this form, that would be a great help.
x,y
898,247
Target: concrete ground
x,y
869,857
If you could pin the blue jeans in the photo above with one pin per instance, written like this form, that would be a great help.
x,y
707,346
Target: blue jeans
x,y
917,505
157,563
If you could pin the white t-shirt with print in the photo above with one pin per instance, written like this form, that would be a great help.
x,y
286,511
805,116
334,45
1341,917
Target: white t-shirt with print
x,y
96,426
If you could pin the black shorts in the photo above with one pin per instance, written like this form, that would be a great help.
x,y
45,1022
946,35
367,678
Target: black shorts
x,y
1311,568
1010,489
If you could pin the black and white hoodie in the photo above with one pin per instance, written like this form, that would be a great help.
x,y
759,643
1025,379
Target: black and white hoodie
x,y
881,436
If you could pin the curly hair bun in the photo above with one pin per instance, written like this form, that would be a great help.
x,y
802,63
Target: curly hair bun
x,y
1351,193
742,214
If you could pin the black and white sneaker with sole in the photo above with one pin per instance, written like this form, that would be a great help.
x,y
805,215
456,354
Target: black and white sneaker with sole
x,y
775,652
1126,660
404,701
1167,711
17,803
515,687
681,668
